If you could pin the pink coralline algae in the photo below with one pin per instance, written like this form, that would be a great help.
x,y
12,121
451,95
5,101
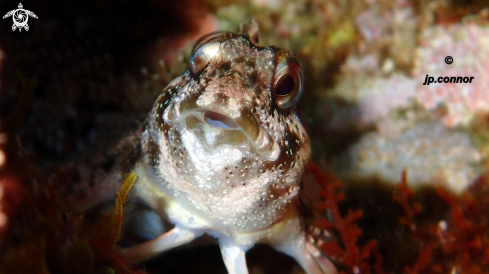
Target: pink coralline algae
x,y
468,44
378,96
374,94
431,154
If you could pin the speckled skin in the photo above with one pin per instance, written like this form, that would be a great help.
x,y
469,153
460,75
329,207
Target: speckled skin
x,y
223,154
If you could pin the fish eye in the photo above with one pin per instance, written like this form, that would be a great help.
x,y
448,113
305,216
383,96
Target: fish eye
x,y
288,83
206,48
285,85
202,56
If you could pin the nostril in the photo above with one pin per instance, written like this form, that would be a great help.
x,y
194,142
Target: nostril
x,y
218,120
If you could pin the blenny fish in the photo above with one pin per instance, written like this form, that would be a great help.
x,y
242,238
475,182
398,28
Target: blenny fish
x,y
223,151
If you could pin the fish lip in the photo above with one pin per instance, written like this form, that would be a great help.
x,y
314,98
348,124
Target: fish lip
x,y
263,144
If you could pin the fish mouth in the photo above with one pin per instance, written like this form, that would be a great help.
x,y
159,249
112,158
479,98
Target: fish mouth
x,y
218,120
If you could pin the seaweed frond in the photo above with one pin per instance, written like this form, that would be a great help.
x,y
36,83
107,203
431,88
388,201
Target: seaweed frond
x,y
403,199
424,259
109,226
459,241
45,237
356,259
463,238
411,210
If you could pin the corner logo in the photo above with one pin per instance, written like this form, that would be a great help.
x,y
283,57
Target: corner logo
x,y
20,17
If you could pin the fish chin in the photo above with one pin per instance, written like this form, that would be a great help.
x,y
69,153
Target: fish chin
x,y
208,154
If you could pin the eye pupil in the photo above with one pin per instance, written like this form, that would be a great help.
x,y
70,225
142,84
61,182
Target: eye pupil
x,y
285,85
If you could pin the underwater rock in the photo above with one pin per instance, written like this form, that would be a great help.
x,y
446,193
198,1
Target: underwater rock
x,y
413,122
468,44
377,97
389,31
429,152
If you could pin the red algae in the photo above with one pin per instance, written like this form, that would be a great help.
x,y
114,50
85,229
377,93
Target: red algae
x,y
409,221
459,242
403,199
45,237
454,240
354,258
464,238
39,234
